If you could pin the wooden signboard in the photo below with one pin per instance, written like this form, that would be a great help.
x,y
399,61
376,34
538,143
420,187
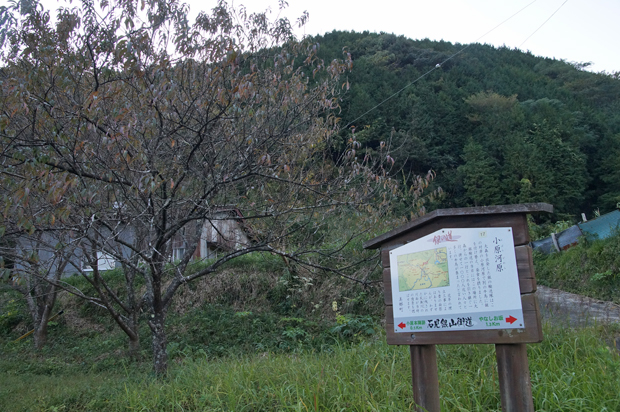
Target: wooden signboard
x,y
433,267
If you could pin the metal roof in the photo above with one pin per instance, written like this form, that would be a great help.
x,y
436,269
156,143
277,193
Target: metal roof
x,y
601,227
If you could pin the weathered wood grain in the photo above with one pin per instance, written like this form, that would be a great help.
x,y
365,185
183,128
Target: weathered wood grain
x,y
525,269
385,256
387,286
424,378
514,378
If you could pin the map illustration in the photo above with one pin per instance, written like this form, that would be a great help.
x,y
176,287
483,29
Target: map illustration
x,y
423,270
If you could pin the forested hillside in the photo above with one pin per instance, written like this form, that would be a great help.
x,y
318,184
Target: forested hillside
x,y
496,125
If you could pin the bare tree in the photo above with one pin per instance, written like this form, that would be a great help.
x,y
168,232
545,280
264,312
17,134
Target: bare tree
x,y
138,126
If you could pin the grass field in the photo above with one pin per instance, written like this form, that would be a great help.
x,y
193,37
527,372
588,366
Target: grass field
x,y
292,348
572,370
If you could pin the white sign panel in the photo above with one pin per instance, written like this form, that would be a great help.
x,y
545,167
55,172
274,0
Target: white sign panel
x,y
456,279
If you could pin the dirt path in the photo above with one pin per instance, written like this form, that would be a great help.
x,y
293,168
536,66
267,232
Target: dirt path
x,y
576,310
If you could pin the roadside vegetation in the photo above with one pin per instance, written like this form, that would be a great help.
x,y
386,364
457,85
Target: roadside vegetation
x,y
591,268
260,338
572,370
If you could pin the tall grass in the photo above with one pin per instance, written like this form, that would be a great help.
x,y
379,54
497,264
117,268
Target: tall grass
x,y
572,370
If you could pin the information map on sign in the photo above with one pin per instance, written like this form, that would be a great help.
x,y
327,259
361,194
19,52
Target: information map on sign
x,y
456,279
423,270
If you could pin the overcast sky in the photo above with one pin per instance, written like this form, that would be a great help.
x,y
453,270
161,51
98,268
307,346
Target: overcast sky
x,y
580,31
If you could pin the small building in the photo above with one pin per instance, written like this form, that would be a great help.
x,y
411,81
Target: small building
x,y
225,231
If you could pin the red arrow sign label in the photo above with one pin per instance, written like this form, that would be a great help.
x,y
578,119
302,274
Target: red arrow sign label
x,y
402,325
511,319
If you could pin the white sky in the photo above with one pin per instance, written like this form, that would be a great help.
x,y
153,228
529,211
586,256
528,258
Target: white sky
x,y
580,31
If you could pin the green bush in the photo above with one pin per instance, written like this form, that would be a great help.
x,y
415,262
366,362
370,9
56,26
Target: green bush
x,y
591,268
12,313
219,330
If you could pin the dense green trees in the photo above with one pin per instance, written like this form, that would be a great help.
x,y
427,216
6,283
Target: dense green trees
x,y
497,125
481,177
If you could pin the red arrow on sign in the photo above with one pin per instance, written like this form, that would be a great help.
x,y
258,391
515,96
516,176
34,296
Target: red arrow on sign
x,y
402,325
511,319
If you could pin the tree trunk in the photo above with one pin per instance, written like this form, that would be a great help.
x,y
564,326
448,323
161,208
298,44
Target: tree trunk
x,y
40,335
40,326
134,347
160,356
134,309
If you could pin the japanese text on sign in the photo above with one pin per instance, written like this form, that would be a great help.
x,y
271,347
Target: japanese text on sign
x,y
456,279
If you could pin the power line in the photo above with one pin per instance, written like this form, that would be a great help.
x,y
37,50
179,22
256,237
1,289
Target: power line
x,y
443,62
539,27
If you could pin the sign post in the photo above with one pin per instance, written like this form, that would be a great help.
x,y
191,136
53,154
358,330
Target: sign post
x,y
459,276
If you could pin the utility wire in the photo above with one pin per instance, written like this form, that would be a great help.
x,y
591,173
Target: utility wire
x,y
539,27
437,66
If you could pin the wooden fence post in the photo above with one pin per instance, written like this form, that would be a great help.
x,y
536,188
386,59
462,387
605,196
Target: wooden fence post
x,y
514,377
424,377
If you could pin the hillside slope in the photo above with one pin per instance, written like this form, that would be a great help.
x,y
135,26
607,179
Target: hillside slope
x,y
497,125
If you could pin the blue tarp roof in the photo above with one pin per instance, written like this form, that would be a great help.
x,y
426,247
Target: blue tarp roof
x,y
601,227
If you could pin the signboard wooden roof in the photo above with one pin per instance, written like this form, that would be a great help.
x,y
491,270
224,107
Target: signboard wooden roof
x,y
455,218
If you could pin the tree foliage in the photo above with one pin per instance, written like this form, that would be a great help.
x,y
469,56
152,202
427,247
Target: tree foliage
x,y
512,105
134,127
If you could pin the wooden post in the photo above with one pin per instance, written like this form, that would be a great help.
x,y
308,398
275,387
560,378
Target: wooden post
x,y
556,245
514,377
425,378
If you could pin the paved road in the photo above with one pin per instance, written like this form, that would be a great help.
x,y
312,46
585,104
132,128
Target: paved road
x,y
576,310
